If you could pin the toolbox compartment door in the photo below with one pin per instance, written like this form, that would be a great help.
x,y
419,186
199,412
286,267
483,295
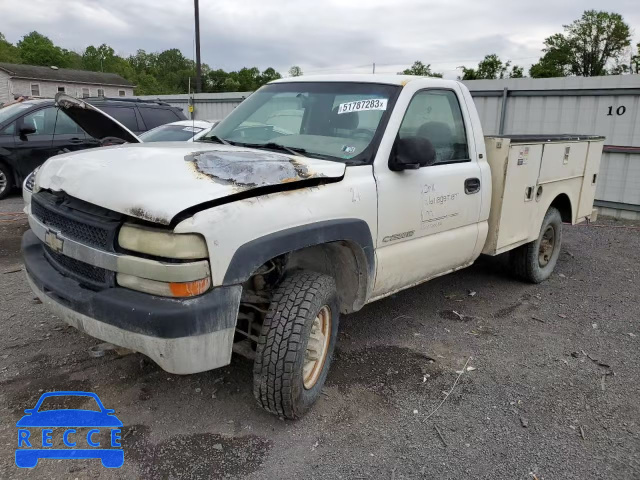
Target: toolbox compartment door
x,y
562,161
592,167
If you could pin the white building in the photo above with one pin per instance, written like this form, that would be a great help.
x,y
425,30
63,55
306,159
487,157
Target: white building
x,y
34,81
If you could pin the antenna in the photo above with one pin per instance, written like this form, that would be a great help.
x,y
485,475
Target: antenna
x,y
198,66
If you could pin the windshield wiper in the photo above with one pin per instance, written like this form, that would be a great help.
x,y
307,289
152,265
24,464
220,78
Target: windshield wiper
x,y
214,139
273,146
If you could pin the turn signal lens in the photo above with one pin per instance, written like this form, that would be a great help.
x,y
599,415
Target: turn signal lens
x,y
190,289
164,289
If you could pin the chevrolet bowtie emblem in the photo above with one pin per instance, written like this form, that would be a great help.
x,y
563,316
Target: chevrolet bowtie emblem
x,y
54,242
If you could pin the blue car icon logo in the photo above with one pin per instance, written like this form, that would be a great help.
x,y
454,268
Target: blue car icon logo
x,y
74,428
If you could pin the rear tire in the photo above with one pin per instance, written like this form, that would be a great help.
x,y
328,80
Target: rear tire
x,y
6,181
296,344
534,262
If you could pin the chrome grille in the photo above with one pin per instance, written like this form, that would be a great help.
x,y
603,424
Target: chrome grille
x,y
87,234
83,222
91,226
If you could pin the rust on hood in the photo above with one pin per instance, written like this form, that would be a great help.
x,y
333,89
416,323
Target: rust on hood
x,y
250,169
143,214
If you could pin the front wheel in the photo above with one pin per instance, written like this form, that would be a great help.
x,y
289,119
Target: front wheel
x,y
5,181
535,261
296,344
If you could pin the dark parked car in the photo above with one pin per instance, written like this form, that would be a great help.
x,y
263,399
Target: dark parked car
x,y
34,130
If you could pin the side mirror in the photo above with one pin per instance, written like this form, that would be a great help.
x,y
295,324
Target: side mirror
x,y
411,153
29,411
24,131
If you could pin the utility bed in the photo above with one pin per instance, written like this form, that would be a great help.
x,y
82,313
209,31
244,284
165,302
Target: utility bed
x,y
527,169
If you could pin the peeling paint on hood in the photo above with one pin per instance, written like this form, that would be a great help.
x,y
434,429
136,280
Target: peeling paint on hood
x,y
246,168
156,181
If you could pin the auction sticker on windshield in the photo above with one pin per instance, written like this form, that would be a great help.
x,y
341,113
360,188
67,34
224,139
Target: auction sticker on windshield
x,y
363,105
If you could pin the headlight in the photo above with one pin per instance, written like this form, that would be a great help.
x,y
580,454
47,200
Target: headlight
x,y
160,243
30,181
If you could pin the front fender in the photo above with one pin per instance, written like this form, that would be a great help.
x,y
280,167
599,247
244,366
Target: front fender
x,y
250,256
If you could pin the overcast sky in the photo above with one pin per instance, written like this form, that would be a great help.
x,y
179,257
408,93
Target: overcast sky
x,y
322,36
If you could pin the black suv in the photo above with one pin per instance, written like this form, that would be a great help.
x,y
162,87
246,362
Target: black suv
x,y
34,130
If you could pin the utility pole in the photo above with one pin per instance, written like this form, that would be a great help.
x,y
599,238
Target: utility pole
x,y
374,67
198,66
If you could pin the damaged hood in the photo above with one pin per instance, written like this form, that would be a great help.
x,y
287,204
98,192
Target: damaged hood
x,y
156,181
93,120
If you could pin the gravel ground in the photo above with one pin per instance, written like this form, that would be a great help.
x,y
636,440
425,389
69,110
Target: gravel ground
x,y
552,393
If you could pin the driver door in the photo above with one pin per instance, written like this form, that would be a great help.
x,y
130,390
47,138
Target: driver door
x,y
428,217
32,149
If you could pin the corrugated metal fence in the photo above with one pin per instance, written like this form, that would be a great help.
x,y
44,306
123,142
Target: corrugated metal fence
x,y
606,106
207,106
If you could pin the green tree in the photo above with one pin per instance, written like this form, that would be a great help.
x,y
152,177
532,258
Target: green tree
x,y
154,73
9,53
420,69
587,47
72,59
146,84
98,59
214,81
231,85
295,71
36,49
174,71
268,75
491,67
557,60
635,61
516,72
142,61
247,78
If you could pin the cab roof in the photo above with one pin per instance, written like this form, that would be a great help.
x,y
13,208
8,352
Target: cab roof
x,y
361,78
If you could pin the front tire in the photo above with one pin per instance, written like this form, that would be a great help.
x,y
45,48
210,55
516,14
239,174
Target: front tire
x,y
534,262
296,344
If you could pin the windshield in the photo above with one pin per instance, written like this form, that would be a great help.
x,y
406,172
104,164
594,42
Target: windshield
x,y
170,133
10,110
332,120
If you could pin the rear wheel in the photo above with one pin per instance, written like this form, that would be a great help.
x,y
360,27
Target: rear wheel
x,y
296,344
5,181
535,261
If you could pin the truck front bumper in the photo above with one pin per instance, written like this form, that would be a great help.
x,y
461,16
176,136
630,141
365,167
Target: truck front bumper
x,y
182,336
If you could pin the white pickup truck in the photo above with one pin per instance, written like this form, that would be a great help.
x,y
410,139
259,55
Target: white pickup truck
x,y
314,197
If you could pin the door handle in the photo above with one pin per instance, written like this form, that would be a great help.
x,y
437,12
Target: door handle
x,y
471,185
75,140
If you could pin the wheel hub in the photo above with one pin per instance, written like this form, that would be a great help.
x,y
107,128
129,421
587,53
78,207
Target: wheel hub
x,y
317,347
547,245
3,182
